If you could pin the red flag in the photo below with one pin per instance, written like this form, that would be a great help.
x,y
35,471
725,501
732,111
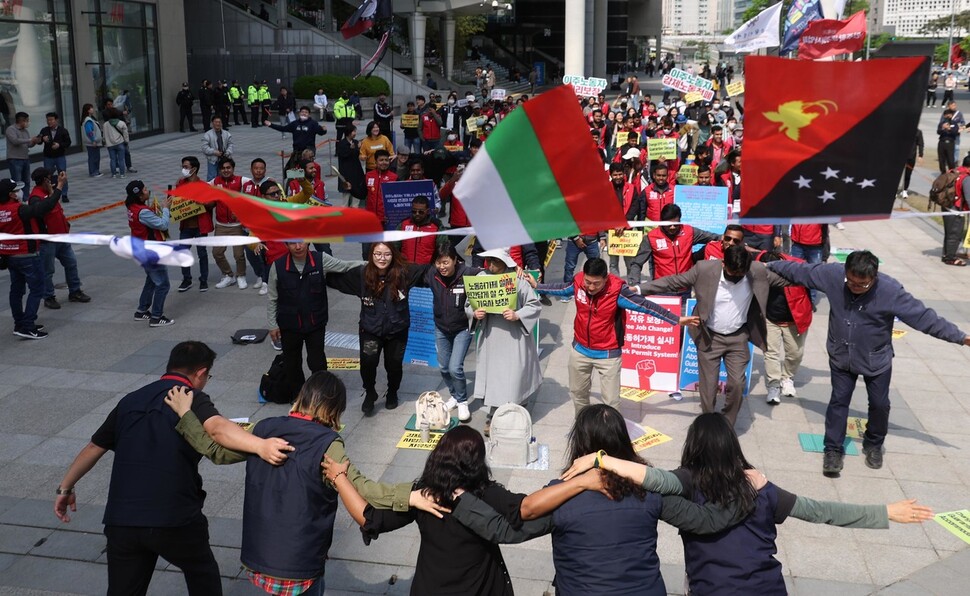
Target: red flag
x,y
828,37
275,220
828,138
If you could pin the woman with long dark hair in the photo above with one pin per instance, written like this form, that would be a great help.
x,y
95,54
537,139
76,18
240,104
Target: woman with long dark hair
x,y
740,560
382,286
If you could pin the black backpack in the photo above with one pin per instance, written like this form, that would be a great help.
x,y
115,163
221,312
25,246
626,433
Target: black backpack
x,y
944,189
274,386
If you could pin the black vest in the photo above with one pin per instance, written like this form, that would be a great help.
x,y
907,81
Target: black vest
x,y
155,478
288,512
302,295
383,316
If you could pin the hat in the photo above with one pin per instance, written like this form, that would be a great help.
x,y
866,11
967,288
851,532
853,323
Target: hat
x,y
134,188
403,150
501,254
8,185
681,118
738,127
632,153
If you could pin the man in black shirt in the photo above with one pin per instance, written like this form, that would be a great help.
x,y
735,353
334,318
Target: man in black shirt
x,y
155,497
185,99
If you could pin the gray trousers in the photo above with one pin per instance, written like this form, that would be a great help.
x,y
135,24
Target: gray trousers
x,y
733,349
953,232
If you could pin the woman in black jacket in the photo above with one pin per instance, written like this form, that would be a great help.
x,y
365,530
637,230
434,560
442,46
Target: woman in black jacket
x,y
348,164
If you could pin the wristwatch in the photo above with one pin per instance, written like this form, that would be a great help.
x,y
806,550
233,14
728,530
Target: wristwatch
x,y
64,491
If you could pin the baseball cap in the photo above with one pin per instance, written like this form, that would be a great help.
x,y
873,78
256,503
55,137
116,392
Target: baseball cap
x,y
134,188
403,150
8,185
632,153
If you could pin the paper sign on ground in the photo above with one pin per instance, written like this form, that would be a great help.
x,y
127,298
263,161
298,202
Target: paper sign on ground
x,y
689,373
957,522
855,427
637,395
687,176
651,349
410,120
816,444
735,88
411,439
184,209
343,363
693,96
898,333
704,207
494,293
661,149
627,245
421,339
650,438
398,197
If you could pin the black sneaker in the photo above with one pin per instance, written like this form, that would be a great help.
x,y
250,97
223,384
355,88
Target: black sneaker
x,y
142,316
161,321
52,303
38,327
185,286
65,200
203,286
370,398
30,334
391,400
832,464
78,296
873,456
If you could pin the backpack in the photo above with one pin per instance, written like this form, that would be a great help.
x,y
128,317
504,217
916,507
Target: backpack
x,y
274,387
430,409
509,436
944,189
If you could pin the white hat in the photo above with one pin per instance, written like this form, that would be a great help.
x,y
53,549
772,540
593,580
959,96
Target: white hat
x,y
632,153
501,254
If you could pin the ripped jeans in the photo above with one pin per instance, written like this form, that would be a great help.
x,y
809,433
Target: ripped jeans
x,y
393,347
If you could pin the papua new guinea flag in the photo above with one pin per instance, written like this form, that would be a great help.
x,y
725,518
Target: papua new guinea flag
x,y
827,139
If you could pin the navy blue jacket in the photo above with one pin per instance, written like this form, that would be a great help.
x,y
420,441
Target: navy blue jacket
x,y
288,511
304,132
449,297
860,327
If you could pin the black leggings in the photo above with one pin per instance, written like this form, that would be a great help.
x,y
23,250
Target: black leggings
x,y
393,347
908,172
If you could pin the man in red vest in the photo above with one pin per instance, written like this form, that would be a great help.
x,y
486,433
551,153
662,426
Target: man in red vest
x,y
788,314
145,224
670,245
227,224
374,179
420,250
953,225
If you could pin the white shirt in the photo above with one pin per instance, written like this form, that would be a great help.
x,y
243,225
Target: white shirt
x,y
320,100
731,306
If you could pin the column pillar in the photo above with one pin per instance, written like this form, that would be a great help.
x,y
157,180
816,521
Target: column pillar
x,y
598,68
328,15
282,14
575,32
448,30
418,27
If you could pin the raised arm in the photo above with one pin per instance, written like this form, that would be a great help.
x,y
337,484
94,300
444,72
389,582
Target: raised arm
x,y
914,313
670,283
348,282
848,515
630,300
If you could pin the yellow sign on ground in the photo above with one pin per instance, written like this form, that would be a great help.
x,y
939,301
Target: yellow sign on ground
x,y
634,394
855,427
343,363
409,120
898,333
735,88
627,245
651,438
957,522
411,439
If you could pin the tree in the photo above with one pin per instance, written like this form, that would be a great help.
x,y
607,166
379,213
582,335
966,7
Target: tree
x,y
961,22
467,27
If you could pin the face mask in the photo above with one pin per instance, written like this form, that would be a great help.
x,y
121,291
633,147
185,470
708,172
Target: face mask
x,y
304,118
717,106
452,137
739,135
186,172
732,125
667,131
451,102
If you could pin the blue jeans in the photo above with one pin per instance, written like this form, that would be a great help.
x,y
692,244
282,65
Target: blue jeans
x,y
592,251
63,252
20,171
155,290
26,273
413,144
452,348
203,253
94,160
116,158
55,165
809,254
212,170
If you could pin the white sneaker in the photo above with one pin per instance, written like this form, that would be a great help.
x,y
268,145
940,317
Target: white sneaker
x,y
904,195
788,387
226,281
463,414
774,396
264,290
839,226
257,284
451,404
241,282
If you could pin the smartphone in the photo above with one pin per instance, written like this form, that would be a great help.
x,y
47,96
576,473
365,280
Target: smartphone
x,y
293,174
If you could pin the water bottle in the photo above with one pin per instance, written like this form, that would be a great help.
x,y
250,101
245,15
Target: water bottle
x,y
425,432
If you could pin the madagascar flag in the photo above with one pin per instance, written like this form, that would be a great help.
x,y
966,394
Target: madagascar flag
x,y
827,138
275,220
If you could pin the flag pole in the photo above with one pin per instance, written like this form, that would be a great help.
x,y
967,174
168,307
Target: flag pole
x,y
949,45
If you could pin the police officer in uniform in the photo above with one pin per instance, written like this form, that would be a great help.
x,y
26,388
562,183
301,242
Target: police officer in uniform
x,y
252,96
238,103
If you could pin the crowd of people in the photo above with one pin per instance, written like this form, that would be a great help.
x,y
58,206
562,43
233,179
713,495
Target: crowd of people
x,y
753,284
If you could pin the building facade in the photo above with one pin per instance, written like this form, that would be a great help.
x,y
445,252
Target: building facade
x,y
909,16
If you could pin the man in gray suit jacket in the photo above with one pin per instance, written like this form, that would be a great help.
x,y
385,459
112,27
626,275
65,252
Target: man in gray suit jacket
x,y
731,299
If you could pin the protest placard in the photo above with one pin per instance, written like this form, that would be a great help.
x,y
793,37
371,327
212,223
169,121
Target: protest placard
x,y
421,339
585,87
627,245
661,149
899,333
856,427
687,176
692,96
650,438
184,209
689,374
637,395
682,80
410,120
651,349
704,207
623,136
398,197
736,88
493,293
498,94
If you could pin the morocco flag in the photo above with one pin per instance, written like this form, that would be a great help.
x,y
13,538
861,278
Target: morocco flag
x,y
829,37
275,220
827,139
538,176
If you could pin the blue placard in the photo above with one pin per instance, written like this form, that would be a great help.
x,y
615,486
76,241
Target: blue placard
x,y
689,375
398,197
421,343
704,207
540,73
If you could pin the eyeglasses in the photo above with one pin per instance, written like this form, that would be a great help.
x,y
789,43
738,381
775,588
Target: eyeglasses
x,y
857,285
418,211
382,256
732,240
274,193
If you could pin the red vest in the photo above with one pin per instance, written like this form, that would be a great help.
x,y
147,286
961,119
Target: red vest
x,y
224,215
598,324
671,255
203,221
138,229
807,234
10,223
375,198
657,200
419,250
55,221
714,251
961,202
799,301
430,129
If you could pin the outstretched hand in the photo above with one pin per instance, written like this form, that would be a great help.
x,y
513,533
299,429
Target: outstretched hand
x,y
908,512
